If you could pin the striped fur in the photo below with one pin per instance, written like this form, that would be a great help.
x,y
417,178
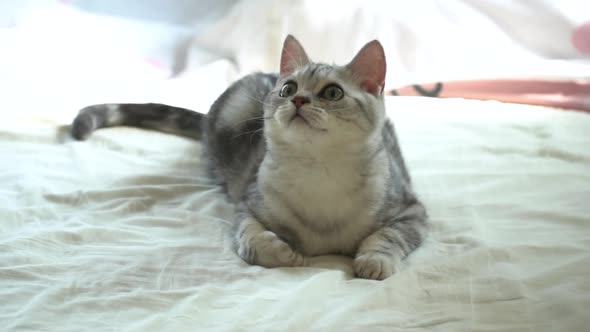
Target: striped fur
x,y
165,118
309,175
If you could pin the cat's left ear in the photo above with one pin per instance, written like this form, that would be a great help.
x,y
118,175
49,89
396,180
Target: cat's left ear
x,y
293,56
369,67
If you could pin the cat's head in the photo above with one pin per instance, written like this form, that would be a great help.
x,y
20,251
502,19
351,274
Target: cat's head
x,y
320,104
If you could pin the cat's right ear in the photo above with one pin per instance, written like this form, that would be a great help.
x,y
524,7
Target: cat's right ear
x,y
293,56
369,67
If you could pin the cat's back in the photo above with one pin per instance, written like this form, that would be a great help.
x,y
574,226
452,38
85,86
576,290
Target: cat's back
x,y
234,144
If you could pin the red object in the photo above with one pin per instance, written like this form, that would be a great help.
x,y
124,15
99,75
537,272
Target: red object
x,y
581,38
567,94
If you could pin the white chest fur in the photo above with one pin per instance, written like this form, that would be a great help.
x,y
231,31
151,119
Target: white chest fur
x,y
327,206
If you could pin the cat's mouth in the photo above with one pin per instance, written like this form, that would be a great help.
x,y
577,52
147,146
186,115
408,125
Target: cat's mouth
x,y
301,118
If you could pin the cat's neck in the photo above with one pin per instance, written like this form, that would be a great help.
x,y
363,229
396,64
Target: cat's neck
x,y
354,155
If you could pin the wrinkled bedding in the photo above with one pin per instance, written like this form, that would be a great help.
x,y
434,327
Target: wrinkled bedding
x,y
124,232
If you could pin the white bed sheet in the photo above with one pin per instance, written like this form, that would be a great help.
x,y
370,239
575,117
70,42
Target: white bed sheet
x,y
123,232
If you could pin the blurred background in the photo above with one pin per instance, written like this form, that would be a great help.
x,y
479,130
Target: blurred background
x,y
57,56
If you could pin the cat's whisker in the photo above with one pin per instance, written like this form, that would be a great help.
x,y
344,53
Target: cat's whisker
x,y
341,109
316,108
262,102
314,117
253,132
237,104
318,113
262,118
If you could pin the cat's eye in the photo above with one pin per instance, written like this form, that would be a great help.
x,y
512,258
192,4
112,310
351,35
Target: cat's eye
x,y
288,89
332,92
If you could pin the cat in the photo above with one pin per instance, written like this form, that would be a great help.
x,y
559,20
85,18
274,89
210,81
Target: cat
x,y
307,156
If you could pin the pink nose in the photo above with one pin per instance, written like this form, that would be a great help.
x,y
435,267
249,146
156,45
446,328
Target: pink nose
x,y
299,101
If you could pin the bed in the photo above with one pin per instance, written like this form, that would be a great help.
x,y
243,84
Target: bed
x,y
123,232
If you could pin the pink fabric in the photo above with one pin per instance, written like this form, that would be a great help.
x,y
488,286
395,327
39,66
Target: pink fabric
x,y
581,38
567,94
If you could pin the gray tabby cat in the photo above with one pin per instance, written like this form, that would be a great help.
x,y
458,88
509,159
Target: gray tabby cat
x,y
307,156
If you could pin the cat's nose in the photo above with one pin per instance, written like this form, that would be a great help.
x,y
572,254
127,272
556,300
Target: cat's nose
x,y
299,101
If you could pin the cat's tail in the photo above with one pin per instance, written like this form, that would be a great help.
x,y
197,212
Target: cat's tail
x,y
160,117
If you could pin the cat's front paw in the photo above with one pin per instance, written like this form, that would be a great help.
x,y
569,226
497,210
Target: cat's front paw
x,y
268,250
375,265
